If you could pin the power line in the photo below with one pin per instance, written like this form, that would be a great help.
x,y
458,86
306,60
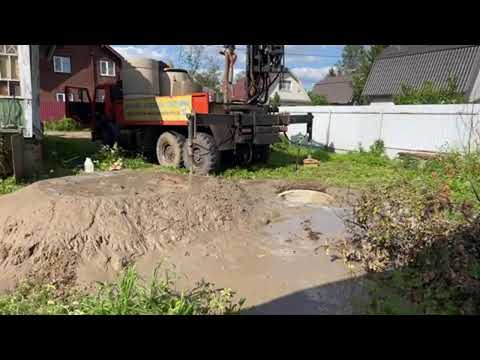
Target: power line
x,y
302,54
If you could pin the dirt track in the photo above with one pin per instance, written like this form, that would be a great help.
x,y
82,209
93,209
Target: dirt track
x,y
77,230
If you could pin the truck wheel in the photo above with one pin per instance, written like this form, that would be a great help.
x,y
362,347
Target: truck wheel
x,y
170,149
262,153
206,156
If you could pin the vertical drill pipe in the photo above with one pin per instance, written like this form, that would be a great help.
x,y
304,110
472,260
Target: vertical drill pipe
x,y
191,135
226,97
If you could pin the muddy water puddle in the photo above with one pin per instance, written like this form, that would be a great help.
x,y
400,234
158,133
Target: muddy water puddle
x,y
282,270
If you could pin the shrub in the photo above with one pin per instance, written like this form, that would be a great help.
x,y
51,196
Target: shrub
x,y
378,148
428,93
317,99
65,124
8,185
430,244
116,158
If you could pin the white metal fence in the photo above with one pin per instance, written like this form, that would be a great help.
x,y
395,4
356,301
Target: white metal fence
x,y
403,128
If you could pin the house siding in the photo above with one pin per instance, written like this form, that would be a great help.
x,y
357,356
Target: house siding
x,y
296,96
85,72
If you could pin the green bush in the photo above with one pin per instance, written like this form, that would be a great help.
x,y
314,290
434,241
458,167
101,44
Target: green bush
x,y
107,158
426,242
126,296
428,93
8,185
65,124
317,99
378,148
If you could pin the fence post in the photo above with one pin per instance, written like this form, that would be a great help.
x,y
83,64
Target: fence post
x,y
328,128
380,135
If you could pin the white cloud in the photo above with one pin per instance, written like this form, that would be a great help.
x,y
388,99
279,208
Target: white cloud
x,y
157,52
309,74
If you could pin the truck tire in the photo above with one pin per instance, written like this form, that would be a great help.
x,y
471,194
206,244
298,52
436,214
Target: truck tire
x,y
261,153
206,156
170,149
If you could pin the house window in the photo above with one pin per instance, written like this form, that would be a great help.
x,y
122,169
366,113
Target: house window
x,y
9,71
60,97
286,85
107,68
61,64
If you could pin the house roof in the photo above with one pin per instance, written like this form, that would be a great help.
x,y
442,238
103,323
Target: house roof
x,y
50,49
413,65
239,92
337,89
113,51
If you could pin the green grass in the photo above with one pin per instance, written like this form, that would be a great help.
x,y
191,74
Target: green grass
x,y
65,156
65,124
106,158
129,295
343,170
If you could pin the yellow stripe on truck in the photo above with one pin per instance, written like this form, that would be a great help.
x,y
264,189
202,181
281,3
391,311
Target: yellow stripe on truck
x,y
163,108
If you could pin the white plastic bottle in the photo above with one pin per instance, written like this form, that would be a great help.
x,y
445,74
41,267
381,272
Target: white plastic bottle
x,y
89,165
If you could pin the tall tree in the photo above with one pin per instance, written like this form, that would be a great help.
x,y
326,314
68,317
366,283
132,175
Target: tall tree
x,y
204,69
352,56
359,77
331,72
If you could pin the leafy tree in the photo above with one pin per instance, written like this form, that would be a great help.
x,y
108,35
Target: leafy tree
x,y
331,72
352,57
191,57
428,93
204,69
317,99
360,75
209,78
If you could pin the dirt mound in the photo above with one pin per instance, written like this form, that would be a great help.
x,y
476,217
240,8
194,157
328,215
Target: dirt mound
x,y
48,229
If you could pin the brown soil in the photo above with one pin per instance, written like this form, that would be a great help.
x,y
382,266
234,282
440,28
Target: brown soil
x,y
49,228
82,229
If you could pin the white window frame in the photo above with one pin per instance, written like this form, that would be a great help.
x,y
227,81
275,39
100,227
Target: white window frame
x,y
62,66
62,96
282,88
110,65
9,80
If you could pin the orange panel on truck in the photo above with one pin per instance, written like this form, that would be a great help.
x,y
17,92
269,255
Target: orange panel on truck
x,y
200,103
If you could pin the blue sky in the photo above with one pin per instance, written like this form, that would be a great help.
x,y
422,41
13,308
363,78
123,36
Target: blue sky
x,y
309,62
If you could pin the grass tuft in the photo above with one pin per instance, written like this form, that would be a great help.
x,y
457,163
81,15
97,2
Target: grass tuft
x,y
127,296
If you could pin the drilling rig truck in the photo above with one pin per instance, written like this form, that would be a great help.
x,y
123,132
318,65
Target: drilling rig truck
x,y
171,120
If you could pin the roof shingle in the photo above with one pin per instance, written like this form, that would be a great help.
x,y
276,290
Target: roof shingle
x,y
337,89
413,65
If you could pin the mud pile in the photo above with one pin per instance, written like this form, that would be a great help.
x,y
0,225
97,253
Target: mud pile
x,y
49,228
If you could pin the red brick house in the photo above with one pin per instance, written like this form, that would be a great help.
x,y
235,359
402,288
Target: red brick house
x,y
73,65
